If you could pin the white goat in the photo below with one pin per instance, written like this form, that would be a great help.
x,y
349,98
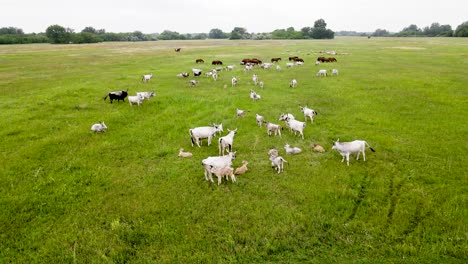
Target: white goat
x,y
289,64
310,113
254,96
322,73
99,127
296,126
233,81
217,162
230,67
259,119
240,113
292,150
146,95
277,162
193,83
226,142
334,72
138,99
215,76
347,148
317,63
261,84
184,154
255,79
198,133
273,128
183,74
242,169
146,77
278,68
293,83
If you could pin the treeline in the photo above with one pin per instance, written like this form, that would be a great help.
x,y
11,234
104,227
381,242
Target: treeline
x,y
434,30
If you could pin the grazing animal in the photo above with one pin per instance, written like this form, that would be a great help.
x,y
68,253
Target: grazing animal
x,y
242,169
193,83
100,127
215,76
318,148
178,49
261,84
196,72
208,74
293,58
248,67
277,162
225,143
240,113
289,65
230,67
118,95
216,62
347,148
293,150
137,99
184,154
317,63
199,133
199,61
334,72
146,77
255,79
146,95
310,113
259,119
217,162
254,96
278,68
223,172
183,74
275,59
266,65
233,81
293,83
273,128
322,72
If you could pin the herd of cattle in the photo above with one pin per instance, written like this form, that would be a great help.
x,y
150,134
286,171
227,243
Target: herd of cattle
x,y
221,165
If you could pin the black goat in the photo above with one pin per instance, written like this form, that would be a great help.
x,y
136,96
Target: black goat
x,y
119,95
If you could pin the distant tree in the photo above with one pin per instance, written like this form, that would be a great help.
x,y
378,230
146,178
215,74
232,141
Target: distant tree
x,y
200,36
58,34
411,30
320,31
89,30
462,30
320,24
85,37
438,30
217,33
306,32
380,33
11,31
239,33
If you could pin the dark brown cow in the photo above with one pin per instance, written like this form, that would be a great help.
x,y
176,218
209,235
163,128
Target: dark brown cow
x,y
217,62
177,49
293,58
255,61
199,61
275,59
299,59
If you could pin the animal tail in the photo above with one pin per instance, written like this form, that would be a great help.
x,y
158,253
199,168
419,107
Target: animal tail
x,y
370,147
191,136
105,97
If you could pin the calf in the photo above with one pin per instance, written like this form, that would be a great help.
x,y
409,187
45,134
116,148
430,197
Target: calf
x,y
347,148
242,169
119,95
318,148
184,154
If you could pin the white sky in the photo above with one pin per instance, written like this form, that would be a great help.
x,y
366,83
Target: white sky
x,y
200,16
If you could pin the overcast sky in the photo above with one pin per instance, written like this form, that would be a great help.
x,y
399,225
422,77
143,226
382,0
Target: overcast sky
x,y
200,16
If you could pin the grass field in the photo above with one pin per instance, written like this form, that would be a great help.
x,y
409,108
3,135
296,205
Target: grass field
x,y
68,195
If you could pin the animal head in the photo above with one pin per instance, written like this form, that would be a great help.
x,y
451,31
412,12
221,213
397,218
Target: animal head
x,y
286,146
103,125
244,162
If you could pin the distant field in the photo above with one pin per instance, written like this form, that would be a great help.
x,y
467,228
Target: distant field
x,y
68,195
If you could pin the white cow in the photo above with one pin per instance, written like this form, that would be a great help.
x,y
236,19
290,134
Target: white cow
x,y
347,148
198,133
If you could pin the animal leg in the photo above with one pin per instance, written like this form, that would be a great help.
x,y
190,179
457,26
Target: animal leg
x,y
347,158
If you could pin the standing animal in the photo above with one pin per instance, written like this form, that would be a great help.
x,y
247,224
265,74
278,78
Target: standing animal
x,y
275,59
293,150
178,49
183,74
240,113
217,162
199,61
278,68
184,154
215,76
193,83
293,83
230,67
259,119
99,127
146,95
261,84
254,96
273,128
118,95
322,72
242,169
317,63
217,62
289,65
277,162
334,72
146,77
255,79
223,172
196,72
296,126
226,142
310,113
347,148
199,133
137,99
233,81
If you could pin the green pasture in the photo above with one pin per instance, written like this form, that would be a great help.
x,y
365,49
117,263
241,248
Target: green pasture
x,y
68,195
